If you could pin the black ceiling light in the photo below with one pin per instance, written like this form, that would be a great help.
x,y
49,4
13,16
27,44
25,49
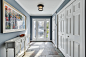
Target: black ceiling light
x,y
40,7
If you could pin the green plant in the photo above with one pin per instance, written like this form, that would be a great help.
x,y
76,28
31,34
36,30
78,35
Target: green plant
x,y
47,36
47,25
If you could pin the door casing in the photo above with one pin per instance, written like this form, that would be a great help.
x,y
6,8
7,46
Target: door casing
x,y
41,19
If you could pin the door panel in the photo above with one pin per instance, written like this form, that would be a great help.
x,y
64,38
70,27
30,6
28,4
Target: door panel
x,y
69,47
76,49
40,29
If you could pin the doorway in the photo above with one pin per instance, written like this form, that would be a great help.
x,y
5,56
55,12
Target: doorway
x,y
40,29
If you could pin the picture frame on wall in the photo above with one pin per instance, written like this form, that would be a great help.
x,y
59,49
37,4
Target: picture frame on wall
x,y
12,19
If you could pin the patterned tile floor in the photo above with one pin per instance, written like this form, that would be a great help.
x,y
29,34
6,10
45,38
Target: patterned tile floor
x,y
42,49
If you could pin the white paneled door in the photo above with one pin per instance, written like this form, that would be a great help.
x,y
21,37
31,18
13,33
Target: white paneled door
x,y
61,31
53,30
70,30
74,29
41,29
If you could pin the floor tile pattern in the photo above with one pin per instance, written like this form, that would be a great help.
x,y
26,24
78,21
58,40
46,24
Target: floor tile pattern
x,y
43,49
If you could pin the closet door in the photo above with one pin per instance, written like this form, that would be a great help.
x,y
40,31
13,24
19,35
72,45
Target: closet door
x,y
53,29
77,28
74,29
61,31
69,31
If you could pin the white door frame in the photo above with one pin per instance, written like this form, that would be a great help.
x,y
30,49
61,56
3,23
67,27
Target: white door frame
x,y
40,19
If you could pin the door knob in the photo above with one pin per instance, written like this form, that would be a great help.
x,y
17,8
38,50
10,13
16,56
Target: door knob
x,y
62,34
67,36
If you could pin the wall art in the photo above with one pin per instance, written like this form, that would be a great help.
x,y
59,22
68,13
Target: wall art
x,y
13,20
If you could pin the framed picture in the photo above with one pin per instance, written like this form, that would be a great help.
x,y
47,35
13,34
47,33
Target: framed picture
x,y
12,19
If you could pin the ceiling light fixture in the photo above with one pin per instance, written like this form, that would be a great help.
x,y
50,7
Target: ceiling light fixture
x,y
40,7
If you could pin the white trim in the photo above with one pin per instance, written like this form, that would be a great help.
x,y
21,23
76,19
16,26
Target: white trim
x,y
12,30
83,36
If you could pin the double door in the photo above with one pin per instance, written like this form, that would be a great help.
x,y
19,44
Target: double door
x,y
70,30
41,30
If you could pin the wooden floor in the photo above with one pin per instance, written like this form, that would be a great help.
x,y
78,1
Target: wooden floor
x,y
43,49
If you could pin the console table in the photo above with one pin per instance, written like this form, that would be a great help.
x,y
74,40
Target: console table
x,y
18,44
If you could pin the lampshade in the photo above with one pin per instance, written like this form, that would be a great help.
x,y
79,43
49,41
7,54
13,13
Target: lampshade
x,y
40,7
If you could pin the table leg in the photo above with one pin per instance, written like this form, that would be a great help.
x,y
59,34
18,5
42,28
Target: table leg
x,y
14,52
6,52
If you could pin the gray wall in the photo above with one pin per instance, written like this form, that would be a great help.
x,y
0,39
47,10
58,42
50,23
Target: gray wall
x,y
62,5
7,36
41,17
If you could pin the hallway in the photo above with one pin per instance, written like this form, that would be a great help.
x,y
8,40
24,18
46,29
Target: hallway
x,y
43,49
42,28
